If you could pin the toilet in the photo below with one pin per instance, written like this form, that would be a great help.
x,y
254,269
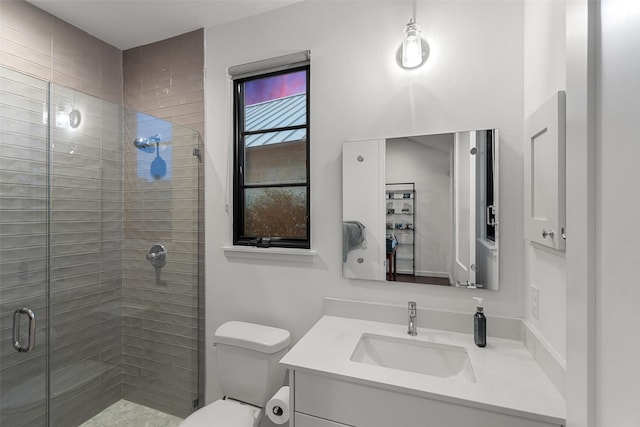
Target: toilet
x,y
249,374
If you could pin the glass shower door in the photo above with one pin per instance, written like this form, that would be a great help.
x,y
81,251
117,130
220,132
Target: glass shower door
x,y
23,250
87,322
85,231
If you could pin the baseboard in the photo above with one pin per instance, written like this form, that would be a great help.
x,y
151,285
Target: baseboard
x,y
443,274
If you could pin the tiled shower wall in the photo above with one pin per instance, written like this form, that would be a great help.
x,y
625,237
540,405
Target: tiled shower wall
x,y
160,335
163,79
166,79
37,43
86,215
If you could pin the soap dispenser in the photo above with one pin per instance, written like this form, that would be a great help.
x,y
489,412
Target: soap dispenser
x,y
479,325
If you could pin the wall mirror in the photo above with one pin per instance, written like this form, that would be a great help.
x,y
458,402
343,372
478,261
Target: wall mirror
x,y
422,209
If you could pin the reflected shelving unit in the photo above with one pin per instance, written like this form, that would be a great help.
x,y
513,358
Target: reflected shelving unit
x,y
401,202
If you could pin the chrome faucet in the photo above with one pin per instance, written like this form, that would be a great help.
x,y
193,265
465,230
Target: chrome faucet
x,y
413,314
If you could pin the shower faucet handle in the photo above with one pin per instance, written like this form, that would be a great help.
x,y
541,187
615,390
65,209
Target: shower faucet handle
x,y
157,255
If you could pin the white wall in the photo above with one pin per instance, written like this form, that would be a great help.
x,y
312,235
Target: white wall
x,y
581,212
617,213
472,80
429,168
544,75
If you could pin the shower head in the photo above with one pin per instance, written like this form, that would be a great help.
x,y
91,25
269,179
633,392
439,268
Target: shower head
x,y
148,145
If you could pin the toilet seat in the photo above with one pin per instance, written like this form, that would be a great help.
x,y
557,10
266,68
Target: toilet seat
x,y
224,413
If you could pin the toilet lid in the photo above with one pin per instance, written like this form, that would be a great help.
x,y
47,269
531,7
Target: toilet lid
x,y
223,413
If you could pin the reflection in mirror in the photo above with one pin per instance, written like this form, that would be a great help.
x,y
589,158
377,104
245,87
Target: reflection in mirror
x,y
438,196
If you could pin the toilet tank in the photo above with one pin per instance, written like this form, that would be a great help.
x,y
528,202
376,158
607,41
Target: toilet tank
x,y
247,358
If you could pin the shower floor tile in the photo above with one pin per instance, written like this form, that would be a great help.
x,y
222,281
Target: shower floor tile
x,y
127,414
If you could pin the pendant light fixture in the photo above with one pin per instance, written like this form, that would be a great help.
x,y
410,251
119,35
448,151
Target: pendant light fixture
x,y
411,45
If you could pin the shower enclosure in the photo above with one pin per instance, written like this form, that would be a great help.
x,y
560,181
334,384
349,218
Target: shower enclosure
x,y
87,315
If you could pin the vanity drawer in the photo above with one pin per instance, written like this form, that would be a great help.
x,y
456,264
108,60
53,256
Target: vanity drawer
x,y
302,420
367,406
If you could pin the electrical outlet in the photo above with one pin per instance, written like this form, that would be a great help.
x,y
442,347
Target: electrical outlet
x,y
535,301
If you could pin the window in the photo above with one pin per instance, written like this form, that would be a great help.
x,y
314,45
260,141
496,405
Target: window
x,y
271,173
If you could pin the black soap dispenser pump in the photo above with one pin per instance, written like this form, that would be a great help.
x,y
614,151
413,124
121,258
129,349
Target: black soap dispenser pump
x,y
479,325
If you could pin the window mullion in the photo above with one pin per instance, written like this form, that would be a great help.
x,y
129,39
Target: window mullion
x,y
271,130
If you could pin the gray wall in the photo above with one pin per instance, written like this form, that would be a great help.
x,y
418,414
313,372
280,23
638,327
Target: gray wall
x,y
160,336
166,79
160,352
37,43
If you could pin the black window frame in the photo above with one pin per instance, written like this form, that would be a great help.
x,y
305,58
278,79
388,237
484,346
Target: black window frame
x,y
239,186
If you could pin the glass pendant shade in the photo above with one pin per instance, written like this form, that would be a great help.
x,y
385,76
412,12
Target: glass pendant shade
x,y
411,45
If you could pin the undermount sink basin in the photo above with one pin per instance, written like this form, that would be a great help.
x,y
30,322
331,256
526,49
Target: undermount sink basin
x,y
422,357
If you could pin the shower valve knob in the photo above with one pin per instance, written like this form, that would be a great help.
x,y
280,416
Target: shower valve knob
x,y
157,255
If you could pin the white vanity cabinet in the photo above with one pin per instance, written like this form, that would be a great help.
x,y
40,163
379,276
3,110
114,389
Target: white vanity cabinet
x,y
322,401
332,383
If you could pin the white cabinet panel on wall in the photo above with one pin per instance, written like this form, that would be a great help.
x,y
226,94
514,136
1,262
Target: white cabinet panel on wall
x,y
544,173
363,164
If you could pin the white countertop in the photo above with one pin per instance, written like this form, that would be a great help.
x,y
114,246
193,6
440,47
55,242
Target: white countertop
x,y
507,378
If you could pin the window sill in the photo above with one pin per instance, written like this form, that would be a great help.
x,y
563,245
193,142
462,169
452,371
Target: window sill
x,y
275,254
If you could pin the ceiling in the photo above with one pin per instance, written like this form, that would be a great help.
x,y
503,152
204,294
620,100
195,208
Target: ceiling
x,y
130,23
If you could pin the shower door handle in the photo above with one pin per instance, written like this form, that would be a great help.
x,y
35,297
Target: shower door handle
x,y
16,330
